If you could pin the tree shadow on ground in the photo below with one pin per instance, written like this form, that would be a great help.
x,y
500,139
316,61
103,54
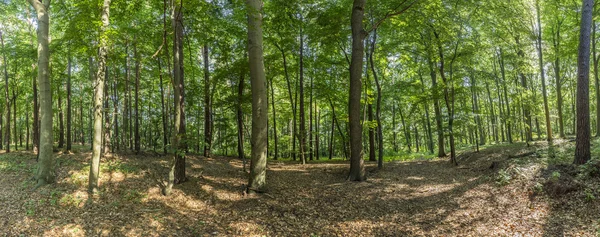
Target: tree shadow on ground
x,y
403,199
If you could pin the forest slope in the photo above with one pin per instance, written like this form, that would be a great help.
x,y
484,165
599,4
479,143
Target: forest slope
x,y
414,198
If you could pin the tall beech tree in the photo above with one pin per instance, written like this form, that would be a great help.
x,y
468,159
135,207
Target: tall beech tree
x,y
582,141
99,94
260,115
179,142
45,171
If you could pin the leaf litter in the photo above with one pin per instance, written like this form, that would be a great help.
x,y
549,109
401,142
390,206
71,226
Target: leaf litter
x,y
410,198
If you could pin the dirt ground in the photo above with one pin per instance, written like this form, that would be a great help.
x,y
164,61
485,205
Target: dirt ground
x,y
416,198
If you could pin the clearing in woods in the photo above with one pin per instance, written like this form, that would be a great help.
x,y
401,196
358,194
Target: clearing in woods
x,y
503,190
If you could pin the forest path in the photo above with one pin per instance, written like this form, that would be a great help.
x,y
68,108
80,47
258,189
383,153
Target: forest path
x,y
415,198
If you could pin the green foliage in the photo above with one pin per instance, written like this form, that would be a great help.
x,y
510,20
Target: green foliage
x,y
135,196
555,176
503,177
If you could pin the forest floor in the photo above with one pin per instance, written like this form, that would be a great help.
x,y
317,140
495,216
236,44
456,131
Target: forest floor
x,y
491,193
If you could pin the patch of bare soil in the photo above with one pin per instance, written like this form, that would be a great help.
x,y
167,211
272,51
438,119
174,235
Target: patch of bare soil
x,y
417,198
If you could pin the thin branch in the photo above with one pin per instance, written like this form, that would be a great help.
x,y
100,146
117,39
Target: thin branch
x,y
391,14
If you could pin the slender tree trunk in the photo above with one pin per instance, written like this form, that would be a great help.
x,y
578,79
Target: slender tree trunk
x,y
526,112
127,104
481,134
331,136
6,96
597,81
207,106
406,130
115,120
378,107
371,134
449,98
310,122
162,105
69,107
493,118
436,109
276,141
14,104
302,115
61,118
543,76
106,140
257,179
98,99
240,119
137,99
81,125
177,167
394,132
506,101
582,142
317,131
427,123
27,127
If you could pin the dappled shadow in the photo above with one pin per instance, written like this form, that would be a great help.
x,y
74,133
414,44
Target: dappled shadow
x,y
403,199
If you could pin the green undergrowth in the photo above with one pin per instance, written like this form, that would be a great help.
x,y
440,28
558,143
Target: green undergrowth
x,y
15,162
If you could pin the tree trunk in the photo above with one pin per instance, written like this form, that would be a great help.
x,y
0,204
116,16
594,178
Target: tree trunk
x,y
406,130
240,121
436,108
449,98
126,104
526,112
276,141
61,118
69,107
45,169
543,76
394,132
137,99
258,163
162,106
27,127
98,99
115,120
106,140
177,166
378,107
302,135
331,136
207,106
481,134
506,101
317,130
6,96
371,134
582,142
597,81
15,129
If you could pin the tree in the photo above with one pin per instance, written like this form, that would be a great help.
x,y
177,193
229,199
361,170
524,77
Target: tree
x,y
357,168
177,167
99,99
45,169
582,141
208,124
258,163
542,76
6,95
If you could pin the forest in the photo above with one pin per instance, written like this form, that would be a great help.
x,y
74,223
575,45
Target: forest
x,y
299,118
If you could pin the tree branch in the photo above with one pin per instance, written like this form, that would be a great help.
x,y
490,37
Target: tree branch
x,y
391,14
